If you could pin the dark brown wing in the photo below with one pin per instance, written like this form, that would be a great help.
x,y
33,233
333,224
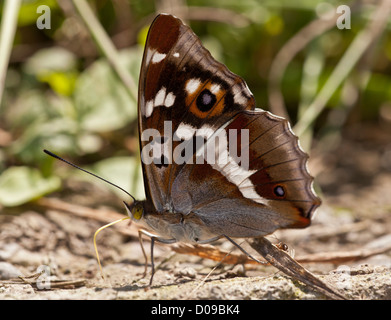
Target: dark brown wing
x,y
257,183
183,87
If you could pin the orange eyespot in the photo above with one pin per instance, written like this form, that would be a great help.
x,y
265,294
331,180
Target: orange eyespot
x,y
204,98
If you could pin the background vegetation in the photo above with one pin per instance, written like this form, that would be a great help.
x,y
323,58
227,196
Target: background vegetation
x,y
71,88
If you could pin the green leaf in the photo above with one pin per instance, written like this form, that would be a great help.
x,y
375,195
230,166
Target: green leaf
x,y
19,185
61,82
54,59
102,102
55,66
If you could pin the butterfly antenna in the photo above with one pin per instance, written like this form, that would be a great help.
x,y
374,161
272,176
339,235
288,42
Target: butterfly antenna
x,y
84,170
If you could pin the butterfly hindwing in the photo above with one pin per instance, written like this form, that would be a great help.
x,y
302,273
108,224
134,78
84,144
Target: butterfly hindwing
x,y
257,182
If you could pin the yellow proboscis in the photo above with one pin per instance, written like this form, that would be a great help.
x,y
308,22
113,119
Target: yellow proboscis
x,y
96,248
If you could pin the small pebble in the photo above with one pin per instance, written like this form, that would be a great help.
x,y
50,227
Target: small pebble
x,y
186,272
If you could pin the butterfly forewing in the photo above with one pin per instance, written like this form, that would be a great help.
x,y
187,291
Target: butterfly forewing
x,y
181,89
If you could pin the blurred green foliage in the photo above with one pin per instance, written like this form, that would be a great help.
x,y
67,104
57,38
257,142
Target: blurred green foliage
x,y
62,95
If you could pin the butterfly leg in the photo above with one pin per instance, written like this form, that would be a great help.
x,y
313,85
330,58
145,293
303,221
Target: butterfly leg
x,y
244,251
140,239
153,239
152,262
161,240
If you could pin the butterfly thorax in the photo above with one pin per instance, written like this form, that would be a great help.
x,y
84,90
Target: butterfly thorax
x,y
170,225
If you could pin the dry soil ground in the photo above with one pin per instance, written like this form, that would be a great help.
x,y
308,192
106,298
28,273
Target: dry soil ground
x,y
355,220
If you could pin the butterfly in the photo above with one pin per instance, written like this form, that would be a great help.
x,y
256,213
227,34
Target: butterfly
x,y
214,166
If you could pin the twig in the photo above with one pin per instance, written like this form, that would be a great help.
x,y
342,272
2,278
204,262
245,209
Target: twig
x,y
352,55
105,45
7,33
338,257
215,254
212,253
210,14
104,216
186,13
54,283
285,56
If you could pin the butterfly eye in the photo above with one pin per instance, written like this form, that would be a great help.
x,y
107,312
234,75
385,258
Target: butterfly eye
x,y
279,191
206,100
137,211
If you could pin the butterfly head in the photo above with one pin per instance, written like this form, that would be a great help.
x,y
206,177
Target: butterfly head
x,y
135,210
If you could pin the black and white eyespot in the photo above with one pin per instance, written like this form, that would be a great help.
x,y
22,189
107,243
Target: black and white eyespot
x,y
206,100
279,191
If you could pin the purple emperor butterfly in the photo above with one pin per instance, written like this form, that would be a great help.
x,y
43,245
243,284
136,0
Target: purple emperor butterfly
x,y
214,165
